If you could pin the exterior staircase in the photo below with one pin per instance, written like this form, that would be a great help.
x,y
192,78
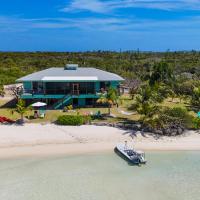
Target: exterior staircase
x,y
62,102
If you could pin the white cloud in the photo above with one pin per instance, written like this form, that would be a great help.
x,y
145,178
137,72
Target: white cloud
x,y
102,6
16,24
91,5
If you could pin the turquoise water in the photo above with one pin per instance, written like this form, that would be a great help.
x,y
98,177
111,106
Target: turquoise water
x,y
167,176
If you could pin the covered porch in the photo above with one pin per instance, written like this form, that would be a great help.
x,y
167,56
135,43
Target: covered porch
x,y
65,88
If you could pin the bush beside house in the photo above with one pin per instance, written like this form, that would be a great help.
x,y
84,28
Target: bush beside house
x,y
73,120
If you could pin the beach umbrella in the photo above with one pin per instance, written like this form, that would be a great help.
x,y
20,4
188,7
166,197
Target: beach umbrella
x,y
38,104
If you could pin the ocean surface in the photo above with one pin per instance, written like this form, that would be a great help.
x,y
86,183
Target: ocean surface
x,y
166,176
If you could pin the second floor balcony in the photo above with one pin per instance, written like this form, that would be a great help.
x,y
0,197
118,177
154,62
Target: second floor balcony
x,y
58,91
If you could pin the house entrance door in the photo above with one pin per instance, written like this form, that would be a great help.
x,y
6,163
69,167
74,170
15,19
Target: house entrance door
x,y
75,89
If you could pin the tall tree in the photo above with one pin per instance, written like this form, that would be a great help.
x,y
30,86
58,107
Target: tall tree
x,y
161,72
133,87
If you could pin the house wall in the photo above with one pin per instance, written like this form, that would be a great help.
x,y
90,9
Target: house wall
x,y
97,86
81,102
27,85
114,84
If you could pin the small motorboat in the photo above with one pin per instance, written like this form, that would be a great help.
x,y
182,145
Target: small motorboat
x,y
133,156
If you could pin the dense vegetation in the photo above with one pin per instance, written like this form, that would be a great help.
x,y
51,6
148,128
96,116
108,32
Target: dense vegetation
x,y
154,77
163,82
128,64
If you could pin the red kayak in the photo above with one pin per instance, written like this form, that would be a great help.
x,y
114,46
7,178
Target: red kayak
x,y
5,119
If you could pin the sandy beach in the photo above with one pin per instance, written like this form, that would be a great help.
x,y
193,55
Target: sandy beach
x,y
50,139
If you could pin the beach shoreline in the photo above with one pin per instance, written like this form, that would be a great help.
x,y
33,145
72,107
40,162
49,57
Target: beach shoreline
x,y
32,140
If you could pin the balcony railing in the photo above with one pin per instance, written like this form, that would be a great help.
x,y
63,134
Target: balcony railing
x,y
58,92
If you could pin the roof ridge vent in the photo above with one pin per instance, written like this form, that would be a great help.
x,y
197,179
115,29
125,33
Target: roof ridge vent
x,y
71,66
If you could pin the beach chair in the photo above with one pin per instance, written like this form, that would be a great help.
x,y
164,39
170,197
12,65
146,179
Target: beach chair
x,y
97,115
41,113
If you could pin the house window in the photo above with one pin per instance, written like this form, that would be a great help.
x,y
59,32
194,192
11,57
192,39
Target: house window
x,y
38,87
87,88
104,85
58,88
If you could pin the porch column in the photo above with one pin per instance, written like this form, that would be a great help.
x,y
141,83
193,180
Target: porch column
x,y
44,88
97,87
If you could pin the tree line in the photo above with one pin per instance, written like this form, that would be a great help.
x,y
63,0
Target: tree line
x,y
130,64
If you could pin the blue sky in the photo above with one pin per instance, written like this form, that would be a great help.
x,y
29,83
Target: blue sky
x,y
80,25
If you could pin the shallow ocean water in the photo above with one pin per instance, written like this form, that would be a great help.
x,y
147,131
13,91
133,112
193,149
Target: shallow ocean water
x,y
167,175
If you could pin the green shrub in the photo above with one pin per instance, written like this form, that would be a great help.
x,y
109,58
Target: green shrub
x,y
196,123
175,116
74,120
71,120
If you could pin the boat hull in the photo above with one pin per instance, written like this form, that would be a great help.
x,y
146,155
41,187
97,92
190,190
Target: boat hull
x,y
134,159
119,153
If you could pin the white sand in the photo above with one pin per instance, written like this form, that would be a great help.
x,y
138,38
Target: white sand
x,y
37,139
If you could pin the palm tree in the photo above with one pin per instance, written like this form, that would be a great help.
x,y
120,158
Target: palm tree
x,y
109,98
21,109
147,102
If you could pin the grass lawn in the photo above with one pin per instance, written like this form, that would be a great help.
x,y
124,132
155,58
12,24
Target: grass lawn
x,y
2,102
125,103
175,103
52,115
